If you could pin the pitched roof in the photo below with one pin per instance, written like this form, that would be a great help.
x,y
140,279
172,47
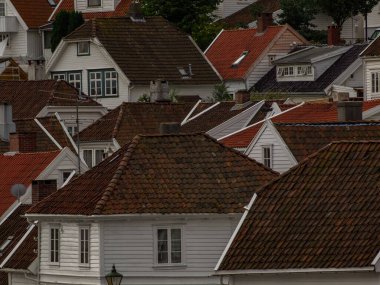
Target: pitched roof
x,y
20,168
269,82
373,48
305,139
3,278
321,214
303,113
130,119
158,174
28,98
245,16
148,50
34,13
68,5
231,44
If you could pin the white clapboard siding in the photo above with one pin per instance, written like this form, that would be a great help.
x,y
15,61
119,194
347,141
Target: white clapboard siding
x,y
18,44
69,255
34,44
356,79
368,278
65,164
107,5
281,160
369,67
130,245
228,7
19,279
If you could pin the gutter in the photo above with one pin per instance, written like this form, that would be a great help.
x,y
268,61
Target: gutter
x,y
295,270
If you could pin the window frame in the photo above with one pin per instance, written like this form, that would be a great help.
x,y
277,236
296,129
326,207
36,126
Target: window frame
x,y
93,155
65,75
155,255
87,53
88,228
264,159
5,8
375,86
57,258
102,81
94,6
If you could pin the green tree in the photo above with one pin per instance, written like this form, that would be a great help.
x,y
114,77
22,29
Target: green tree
x,y
339,10
298,13
365,7
64,23
220,93
185,14
204,34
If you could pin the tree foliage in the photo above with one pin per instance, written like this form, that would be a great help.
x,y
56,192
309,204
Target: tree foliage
x,y
64,23
298,13
220,93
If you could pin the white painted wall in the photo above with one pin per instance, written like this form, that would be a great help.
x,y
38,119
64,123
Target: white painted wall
x,y
34,44
107,5
368,278
16,278
281,160
356,79
370,65
228,7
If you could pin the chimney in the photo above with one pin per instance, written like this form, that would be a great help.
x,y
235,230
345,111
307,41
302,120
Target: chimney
x,y
7,125
170,128
333,36
242,97
159,91
135,11
22,142
349,111
42,188
340,96
264,21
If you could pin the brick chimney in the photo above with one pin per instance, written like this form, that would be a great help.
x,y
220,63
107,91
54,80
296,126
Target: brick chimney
x,y
333,36
349,111
22,142
42,188
264,21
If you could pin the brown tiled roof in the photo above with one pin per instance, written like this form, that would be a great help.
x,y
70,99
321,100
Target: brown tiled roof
x,y
3,278
305,139
245,16
28,98
34,13
149,50
321,214
162,174
373,49
130,119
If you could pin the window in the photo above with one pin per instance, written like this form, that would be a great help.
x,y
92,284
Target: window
x,y
83,48
54,244
267,156
375,82
309,70
65,175
59,76
73,130
169,245
75,79
2,9
84,258
298,71
240,59
94,3
7,37
103,83
93,157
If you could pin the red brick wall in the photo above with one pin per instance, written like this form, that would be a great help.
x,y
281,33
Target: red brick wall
x,y
22,142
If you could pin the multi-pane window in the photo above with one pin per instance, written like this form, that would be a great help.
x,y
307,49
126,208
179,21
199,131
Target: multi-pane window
x,y
73,130
95,83
84,245
267,156
59,76
54,244
111,83
299,71
93,157
2,8
87,156
75,79
375,82
169,245
83,48
94,3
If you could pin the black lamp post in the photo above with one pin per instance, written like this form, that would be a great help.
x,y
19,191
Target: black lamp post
x,y
114,277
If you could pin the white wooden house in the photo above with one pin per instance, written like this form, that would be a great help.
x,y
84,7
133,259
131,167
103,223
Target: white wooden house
x,y
163,238
371,70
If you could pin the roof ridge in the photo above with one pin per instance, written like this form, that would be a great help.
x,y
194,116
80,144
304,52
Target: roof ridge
x,y
118,121
116,177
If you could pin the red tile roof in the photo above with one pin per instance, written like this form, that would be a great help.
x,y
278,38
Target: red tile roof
x,y
162,174
34,13
21,168
230,45
120,11
321,214
306,113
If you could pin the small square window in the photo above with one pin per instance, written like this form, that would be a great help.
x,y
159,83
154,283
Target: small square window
x,y
94,3
83,48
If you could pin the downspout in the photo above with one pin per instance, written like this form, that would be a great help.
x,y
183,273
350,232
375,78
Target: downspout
x,y
39,254
130,87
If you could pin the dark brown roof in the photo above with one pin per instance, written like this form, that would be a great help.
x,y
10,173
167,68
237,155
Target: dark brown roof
x,y
162,174
269,82
245,16
34,13
28,98
324,213
305,139
149,50
3,278
373,49
130,119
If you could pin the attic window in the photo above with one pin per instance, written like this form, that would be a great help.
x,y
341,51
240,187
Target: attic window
x,y
240,59
83,48
94,3
6,243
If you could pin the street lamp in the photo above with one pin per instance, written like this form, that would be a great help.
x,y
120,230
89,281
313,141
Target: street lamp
x,y
114,277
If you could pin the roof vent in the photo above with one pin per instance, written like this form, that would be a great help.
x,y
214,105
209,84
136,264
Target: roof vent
x,y
135,11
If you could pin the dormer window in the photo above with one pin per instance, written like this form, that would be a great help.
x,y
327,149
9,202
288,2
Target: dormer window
x,y
83,48
295,73
240,59
94,3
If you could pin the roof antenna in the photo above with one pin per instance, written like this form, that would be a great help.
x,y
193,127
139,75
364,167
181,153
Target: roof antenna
x,y
18,190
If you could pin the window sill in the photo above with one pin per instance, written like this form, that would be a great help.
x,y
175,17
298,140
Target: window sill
x,y
84,267
169,266
53,265
104,97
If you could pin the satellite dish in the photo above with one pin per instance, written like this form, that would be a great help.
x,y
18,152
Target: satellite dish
x,y
18,190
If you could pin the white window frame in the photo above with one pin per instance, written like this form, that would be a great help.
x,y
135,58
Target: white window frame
x,y
267,161
169,228
240,58
63,171
94,6
80,46
5,8
375,84
97,81
57,254
88,229
58,76
113,79
93,156
76,81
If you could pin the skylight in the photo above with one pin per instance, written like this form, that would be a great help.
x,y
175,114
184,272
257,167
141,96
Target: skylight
x,y
240,59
